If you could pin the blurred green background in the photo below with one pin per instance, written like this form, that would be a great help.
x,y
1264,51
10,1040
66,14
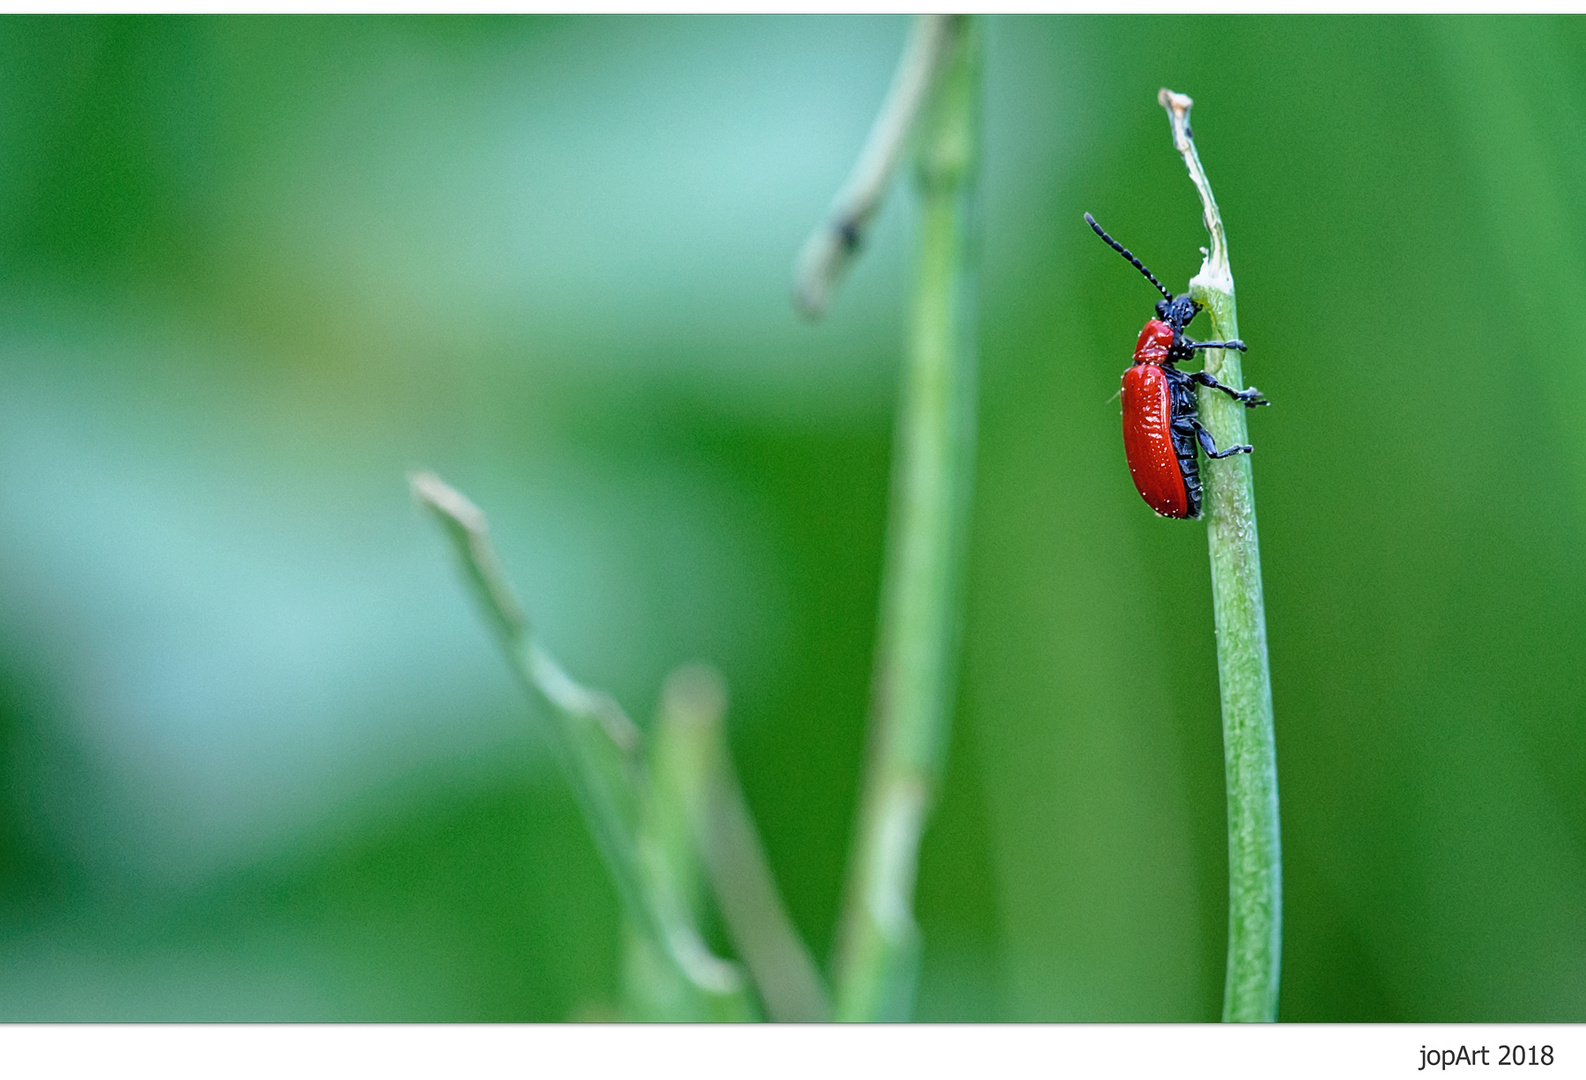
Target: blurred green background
x,y
258,760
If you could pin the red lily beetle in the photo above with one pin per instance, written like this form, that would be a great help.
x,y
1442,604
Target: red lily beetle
x,y
1160,425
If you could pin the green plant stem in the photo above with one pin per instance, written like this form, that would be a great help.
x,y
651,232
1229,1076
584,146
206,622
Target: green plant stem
x,y
705,812
833,246
1255,861
681,772
920,595
597,746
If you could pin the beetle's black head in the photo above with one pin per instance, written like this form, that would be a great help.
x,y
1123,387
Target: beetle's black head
x,y
1178,311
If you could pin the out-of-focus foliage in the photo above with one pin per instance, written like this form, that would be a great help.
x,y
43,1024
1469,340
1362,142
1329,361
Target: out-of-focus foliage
x,y
259,760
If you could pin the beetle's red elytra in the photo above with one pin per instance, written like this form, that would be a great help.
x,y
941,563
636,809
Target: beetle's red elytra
x,y
1161,426
1148,427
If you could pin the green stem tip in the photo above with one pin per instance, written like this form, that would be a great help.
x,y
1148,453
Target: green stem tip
x,y
664,821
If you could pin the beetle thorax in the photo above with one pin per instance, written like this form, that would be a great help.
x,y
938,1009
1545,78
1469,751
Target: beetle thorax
x,y
1156,340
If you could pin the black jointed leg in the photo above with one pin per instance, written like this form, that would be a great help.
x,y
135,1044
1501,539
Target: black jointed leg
x,y
1234,344
1211,447
1251,397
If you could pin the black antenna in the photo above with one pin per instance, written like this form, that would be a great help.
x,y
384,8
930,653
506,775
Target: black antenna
x,y
1120,249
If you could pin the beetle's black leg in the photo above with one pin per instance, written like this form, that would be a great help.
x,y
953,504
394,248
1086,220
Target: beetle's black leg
x,y
1251,397
1235,344
1211,447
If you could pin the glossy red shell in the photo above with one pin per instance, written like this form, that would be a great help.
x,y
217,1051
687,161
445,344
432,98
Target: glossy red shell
x,y
1148,432
1156,338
